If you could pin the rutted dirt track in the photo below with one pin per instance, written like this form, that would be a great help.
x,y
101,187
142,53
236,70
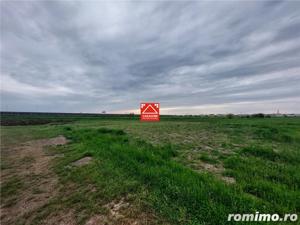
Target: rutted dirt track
x,y
30,164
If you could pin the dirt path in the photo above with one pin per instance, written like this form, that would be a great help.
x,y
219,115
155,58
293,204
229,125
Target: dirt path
x,y
27,169
31,184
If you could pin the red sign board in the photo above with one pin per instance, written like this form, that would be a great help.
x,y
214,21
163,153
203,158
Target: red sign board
x,y
149,111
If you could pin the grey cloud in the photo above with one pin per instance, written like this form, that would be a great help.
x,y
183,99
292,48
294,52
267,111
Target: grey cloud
x,y
88,56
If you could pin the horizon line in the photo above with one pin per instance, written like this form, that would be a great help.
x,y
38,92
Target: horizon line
x,y
132,113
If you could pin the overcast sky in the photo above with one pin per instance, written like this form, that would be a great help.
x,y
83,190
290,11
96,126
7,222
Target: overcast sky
x,y
191,57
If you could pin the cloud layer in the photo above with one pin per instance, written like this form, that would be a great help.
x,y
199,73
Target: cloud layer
x,y
192,57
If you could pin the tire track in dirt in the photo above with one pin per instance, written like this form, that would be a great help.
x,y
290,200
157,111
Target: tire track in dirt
x,y
29,163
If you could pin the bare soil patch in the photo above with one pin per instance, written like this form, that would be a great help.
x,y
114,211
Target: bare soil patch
x,y
83,161
30,165
217,170
121,212
61,218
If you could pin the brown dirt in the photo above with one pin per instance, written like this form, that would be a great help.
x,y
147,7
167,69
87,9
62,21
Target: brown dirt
x,y
97,220
116,207
30,164
60,218
212,168
122,212
228,180
216,170
82,161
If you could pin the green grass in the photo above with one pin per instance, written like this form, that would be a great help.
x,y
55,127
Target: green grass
x,y
151,165
208,158
174,191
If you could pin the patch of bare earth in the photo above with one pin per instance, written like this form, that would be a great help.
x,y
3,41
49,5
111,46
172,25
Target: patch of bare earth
x,y
122,212
200,166
217,170
83,161
29,163
60,218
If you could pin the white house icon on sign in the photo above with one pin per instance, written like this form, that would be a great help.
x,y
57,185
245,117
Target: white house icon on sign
x,y
150,109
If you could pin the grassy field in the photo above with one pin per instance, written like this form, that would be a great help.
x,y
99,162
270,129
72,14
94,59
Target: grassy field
x,y
176,171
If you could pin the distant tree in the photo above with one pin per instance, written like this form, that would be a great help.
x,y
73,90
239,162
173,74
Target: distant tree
x,y
258,115
230,116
